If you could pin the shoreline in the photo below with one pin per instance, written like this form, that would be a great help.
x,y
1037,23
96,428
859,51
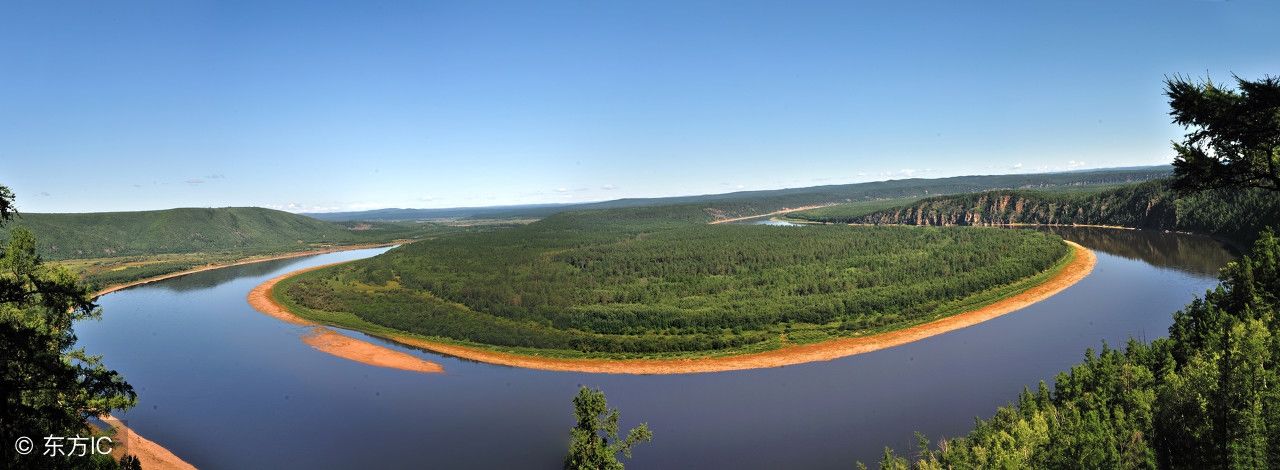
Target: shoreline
x,y
1080,265
326,340
243,261
149,454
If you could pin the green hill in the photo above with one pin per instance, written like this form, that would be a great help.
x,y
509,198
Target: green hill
x,y
190,230
107,248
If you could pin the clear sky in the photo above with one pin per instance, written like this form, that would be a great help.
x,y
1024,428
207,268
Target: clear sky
x,y
312,105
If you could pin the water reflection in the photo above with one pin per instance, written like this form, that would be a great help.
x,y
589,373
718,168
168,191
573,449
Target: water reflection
x,y
1195,254
216,277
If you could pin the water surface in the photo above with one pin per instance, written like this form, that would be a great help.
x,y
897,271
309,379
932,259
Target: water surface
x,y
223,386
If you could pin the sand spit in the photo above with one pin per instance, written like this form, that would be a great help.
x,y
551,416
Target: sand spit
x,y
346,347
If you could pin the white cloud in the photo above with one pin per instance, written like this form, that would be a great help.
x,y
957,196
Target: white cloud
x,y
1074,164
195,181
562,190
1016,166
608,187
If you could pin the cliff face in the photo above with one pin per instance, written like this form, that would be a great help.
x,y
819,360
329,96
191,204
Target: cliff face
x,y
1152,205
1132,208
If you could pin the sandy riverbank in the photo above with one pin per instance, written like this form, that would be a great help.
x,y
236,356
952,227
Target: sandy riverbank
x,y
1077,268
328,341
250,260
346,347
149,454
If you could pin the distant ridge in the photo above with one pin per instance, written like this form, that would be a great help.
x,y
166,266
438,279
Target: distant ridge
x,y
397,214
742,203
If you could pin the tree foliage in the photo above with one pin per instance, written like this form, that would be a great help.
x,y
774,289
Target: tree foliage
x,y
1234,138
49,386
593,441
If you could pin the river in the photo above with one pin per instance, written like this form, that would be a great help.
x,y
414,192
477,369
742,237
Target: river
x,y
223,386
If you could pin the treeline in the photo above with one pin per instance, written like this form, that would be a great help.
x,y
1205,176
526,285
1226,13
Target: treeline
x,y
579,282
1230,213
1205,397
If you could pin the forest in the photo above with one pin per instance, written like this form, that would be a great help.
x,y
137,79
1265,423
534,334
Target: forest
x,y
644,280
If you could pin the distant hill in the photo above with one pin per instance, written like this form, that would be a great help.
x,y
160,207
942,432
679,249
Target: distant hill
x,y
396,214
744,203
239,229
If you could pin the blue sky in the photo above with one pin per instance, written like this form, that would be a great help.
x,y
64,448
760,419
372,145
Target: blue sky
x,y
345,106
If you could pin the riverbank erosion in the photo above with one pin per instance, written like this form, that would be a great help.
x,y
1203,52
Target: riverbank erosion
x,y
328,341
1078,267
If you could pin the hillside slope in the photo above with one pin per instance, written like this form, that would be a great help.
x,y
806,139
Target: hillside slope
x,y
247,229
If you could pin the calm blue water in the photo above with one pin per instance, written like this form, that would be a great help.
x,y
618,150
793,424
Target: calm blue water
x,y
223,386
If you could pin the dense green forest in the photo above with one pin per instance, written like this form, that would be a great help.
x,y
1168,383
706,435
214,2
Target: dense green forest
x,y
746,203
646,280
1234,214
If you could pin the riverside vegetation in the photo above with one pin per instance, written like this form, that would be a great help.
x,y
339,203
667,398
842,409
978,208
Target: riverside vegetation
x,y
654,281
